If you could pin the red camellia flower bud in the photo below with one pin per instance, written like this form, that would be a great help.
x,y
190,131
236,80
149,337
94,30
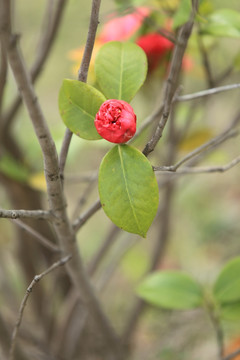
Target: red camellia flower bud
x,y
116,121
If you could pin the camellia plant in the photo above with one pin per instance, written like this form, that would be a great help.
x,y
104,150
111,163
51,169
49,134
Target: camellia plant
x,y
128,187
177,290
180,267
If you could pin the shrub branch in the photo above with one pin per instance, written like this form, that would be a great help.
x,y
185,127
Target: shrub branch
x,y
56,199
35,280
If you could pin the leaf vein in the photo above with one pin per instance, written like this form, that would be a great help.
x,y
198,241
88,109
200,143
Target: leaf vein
x,y
127,190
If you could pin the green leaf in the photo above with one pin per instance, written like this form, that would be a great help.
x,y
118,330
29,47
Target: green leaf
x,y
223,22
121,69
128,189
13,169
171,290
227,285
230,311
183,13
78,105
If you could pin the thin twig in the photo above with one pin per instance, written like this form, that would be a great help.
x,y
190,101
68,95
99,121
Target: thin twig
x,y
155,27
205,62
92,30
171,83
64,151
27,214
207,92
36,279
225,74
98,257
72,300
116,258
42,239
148,121
82,74
79,222
56,199
48,36
3,73
218,332
205,170
199,150
85,195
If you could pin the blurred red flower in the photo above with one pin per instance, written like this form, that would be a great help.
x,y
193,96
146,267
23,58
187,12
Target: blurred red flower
x,y
156,48
122,28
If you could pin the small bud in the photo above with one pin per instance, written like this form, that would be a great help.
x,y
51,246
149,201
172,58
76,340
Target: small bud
x,y
116,121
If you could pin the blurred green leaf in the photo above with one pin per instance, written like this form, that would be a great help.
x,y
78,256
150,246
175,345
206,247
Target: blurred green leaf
x,y
171,290
14,170
121,69
227,286
78,105
230,311
183,13
224,23
135,263
205,7
128,189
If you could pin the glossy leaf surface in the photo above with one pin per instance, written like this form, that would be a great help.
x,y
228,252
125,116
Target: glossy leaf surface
x,y
121,69
78,105
128,189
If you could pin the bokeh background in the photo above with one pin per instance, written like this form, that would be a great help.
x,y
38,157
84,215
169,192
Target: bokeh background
x,y
204,226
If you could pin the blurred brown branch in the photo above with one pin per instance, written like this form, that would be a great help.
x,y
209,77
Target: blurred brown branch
x,y
82,75
29,214
49,33
208,92
206,169
36,279
228,133
171,82
55,193
42,240
81,220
